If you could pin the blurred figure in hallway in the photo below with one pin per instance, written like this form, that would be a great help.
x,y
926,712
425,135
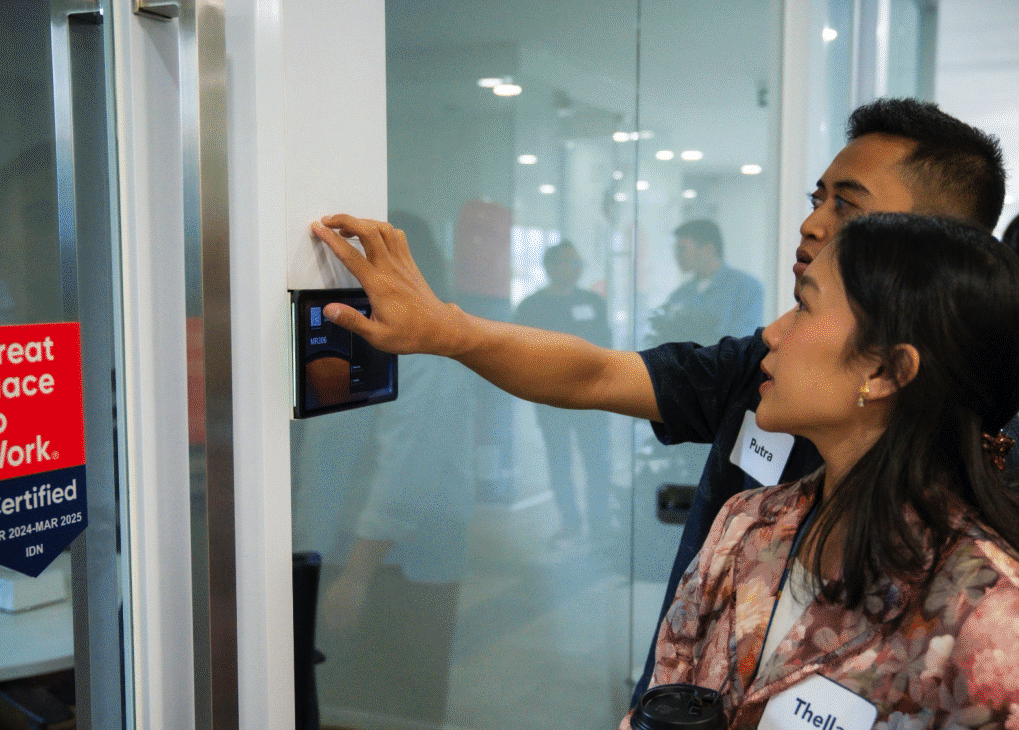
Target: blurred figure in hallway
x,y
718,301
562,306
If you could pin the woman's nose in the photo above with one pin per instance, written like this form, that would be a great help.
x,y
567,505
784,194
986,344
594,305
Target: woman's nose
x,y
772,334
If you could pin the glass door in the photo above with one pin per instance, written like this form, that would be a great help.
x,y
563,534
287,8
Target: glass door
x,y
62,656
476,549
488,563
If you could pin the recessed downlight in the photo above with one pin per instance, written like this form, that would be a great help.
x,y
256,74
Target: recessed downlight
x,y
507,89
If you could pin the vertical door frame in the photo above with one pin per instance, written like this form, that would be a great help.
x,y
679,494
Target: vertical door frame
x,y
262,404
797,17
158,617
171,87
305,80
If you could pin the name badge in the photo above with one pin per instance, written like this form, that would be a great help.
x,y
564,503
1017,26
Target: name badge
x,y
760,453
818,702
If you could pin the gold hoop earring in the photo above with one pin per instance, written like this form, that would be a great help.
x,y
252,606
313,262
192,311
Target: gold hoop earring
x,y
864,392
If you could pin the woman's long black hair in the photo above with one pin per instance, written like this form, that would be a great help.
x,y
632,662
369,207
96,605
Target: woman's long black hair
x,y
952,292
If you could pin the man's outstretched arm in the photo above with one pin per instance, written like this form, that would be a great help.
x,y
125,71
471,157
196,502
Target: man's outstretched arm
x,y
537,365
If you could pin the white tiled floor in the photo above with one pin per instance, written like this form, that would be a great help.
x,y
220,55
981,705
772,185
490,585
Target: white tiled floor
x,y
546,636
544,639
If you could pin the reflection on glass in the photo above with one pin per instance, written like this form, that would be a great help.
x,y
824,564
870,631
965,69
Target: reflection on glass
x,y
30,255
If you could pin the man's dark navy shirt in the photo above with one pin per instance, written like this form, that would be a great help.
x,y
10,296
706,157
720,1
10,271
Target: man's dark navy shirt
x,y
703,394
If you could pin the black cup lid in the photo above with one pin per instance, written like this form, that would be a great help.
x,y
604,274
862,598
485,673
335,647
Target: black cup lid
x,y
679,707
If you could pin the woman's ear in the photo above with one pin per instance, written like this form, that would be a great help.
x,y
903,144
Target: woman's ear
x,y
896,373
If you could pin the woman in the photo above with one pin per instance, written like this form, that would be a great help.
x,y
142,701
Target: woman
x,y
893,571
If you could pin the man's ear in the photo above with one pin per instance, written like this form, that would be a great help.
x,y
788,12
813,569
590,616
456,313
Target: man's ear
x,y
888,378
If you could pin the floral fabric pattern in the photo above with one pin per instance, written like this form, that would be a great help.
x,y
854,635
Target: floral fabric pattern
x,y
945,659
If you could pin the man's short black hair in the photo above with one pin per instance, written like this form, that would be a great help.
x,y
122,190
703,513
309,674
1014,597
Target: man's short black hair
x,y
956,169
703,231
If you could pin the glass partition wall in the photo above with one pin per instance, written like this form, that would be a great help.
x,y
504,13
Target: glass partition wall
x,y
487,562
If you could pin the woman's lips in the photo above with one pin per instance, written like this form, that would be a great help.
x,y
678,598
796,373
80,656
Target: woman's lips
x,y
767,379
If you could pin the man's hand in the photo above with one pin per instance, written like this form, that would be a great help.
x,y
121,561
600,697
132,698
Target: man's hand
x,y
540,366
406,315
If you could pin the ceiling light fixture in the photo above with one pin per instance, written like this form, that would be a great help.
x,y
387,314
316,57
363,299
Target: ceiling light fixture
x,y
506,89
751,169
664,155
692,155
527,159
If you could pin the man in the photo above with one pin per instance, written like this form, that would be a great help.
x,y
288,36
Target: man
x,y
562,306
903,155
717,301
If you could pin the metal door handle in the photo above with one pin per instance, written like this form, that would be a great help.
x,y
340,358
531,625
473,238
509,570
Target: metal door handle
x,y
61,13
158,9
203,97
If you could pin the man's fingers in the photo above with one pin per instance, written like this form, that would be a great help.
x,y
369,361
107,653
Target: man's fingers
x,y
347,317
350,256
372,234
352,320
337,220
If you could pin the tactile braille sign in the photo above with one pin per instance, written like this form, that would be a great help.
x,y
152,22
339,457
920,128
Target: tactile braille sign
x,y
42,444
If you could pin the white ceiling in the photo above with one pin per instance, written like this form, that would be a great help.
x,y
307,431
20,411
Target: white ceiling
x,y
702,64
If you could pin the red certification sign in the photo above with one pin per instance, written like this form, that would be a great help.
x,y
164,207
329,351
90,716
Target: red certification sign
x,y
42,444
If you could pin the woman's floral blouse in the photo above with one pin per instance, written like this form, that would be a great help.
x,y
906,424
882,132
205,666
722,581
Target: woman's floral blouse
x,y
952,661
